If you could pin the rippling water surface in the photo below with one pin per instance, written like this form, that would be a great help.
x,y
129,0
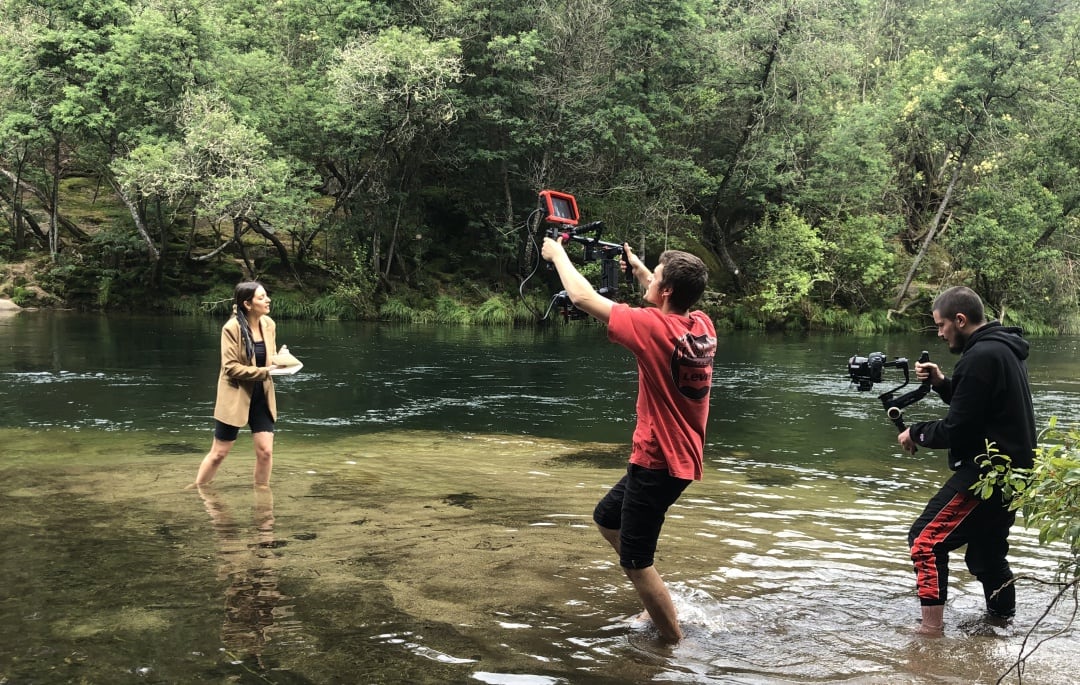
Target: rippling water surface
x,y
429,519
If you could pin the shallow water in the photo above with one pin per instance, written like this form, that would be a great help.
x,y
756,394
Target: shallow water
x,y
398,545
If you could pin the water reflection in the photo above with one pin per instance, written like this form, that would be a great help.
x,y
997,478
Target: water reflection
x,y
256,612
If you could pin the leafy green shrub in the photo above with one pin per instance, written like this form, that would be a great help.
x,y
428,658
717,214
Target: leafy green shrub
x,y
1032,325
1048,496
523,312
21,296
746,318
331,306
290,305
858,260
347,301
787,260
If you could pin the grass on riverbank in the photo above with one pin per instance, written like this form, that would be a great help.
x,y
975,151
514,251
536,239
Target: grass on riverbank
x,y
495,310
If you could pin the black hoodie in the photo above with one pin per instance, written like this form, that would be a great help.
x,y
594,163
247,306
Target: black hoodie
x,y
989,399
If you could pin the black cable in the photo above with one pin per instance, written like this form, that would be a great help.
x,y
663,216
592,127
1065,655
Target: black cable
x,y
531,222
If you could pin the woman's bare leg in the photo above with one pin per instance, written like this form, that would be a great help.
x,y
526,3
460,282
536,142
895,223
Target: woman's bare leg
x,y
264,456
210,463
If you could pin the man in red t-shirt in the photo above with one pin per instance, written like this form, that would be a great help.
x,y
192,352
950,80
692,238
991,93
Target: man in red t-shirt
x,y
674,348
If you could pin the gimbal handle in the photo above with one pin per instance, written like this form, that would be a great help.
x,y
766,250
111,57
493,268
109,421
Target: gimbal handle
x,y
894,405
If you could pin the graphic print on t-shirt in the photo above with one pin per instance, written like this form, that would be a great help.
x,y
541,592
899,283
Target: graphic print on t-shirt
x,y
691,365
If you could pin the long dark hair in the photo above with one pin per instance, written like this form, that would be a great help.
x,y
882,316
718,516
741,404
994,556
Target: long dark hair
x,y
243,293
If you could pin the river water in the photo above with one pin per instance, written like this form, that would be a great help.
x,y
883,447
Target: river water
x,y
429,518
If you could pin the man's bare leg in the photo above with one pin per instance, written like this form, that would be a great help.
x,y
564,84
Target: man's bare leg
x,y
611,535
653,593
657,600
933,621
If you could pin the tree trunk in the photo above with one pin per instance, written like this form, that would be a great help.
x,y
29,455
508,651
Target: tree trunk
x,y
25,220
931,231
17,225
376,238
140,224
279,247
238,234
54,233
716,235
393,240
43,197
210,255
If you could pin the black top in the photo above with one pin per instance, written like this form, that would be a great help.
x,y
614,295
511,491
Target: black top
x,y
989,399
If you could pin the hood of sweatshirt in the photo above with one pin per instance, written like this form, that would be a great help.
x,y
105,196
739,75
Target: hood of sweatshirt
x,y
1012,336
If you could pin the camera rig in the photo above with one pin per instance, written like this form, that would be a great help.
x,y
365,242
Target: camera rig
x,y
866,371
560,213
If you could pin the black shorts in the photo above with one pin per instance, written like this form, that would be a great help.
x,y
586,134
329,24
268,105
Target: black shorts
x,y
259,419
636,507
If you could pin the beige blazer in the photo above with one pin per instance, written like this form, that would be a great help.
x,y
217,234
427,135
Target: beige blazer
x,y
238,375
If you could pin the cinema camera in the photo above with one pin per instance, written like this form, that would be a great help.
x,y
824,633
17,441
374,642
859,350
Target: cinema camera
x,y
560,212
866,371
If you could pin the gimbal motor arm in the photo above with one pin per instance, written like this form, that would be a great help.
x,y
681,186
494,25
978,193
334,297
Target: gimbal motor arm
x,y
894,404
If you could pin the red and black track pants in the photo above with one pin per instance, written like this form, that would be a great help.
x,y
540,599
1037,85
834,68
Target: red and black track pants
x,y
951,520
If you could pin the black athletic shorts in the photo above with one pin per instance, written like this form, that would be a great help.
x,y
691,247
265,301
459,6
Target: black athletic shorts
x,y
259,418
636,507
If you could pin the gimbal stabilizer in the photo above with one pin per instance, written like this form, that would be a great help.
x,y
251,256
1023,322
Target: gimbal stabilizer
x,y
865,371
561,214
595,249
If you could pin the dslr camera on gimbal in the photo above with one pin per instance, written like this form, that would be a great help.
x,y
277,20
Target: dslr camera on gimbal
x,y
560,212
864,372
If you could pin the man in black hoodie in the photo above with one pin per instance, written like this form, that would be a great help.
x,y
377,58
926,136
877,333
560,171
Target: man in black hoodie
x,y
989,403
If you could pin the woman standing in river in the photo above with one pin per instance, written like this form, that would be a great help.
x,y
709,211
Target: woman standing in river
x,y
245,389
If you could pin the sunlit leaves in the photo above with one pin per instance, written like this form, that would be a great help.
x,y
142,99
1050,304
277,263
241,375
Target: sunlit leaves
x,y
789,262
400,71
223,164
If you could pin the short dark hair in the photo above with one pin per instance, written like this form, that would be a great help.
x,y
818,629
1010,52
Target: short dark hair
x,y
960,300
687,277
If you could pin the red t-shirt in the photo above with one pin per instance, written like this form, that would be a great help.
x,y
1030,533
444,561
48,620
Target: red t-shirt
x,y
675,360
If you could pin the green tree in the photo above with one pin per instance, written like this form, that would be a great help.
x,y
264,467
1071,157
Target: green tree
x,y
221,170
769,100
50,53
392,96
963,91
789,258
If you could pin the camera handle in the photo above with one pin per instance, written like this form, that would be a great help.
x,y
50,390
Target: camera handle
x,y
894,405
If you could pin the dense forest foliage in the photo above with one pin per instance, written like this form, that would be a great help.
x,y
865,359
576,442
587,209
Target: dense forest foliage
x,y
835,162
